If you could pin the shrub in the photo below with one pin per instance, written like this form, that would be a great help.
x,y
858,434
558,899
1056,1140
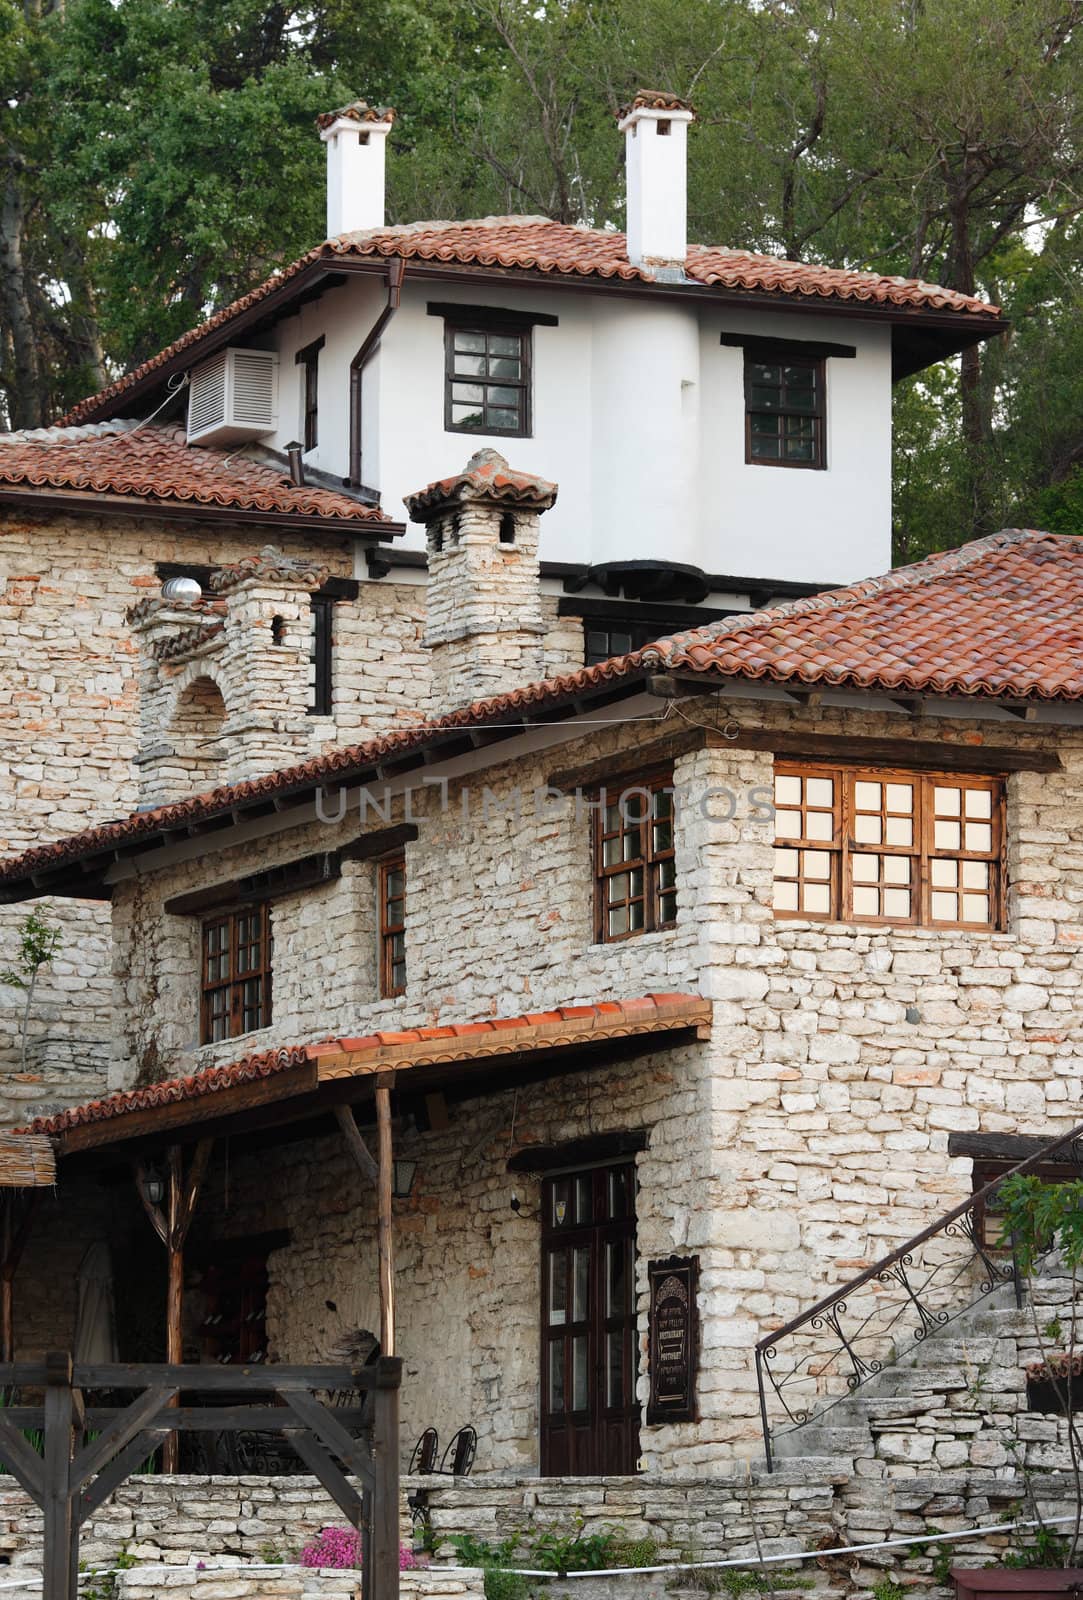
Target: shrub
x,y
341,1548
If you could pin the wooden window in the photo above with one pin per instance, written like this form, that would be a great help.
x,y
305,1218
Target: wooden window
x,y
634,867
871,846
323,620
309,360
784,412
487,380
236,989
392,893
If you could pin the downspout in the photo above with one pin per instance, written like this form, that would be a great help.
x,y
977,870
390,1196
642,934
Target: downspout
x,y
396,271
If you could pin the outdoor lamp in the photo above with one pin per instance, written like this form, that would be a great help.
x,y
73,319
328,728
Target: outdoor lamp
x,y
153,1186
402,1179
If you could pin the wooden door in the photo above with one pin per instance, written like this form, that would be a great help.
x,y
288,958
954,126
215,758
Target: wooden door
x,y
589,1415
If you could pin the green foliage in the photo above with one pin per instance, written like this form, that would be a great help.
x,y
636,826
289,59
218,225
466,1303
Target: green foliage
x,y
886,1589
104,1579
38,944
1035,1214
553,1549
1048,1550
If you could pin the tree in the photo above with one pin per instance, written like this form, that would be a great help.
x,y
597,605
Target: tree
x,y
38,945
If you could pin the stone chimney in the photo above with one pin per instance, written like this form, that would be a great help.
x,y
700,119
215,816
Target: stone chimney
x,y
225,684
356,137
484,623
655,128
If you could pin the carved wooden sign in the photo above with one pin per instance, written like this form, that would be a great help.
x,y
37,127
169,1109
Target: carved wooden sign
x,y
674,1339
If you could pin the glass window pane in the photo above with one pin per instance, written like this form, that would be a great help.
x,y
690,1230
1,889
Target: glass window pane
x,y
979,803
580,1386
898,831
816,863
619,1180
819,825
865,869
584,1199
464,416
945,906
501,418
561,1203
504,344
817,899
946,802
614,1366
473,392
580,1284
504,367
788,824
820,791
558,1289
618,921
787,790
785,897
500,396
896,869
556,1376
468,341
900,797
667,906
766,449
975,908
976,874
946,835
468,366
867,829
979,836
616,1279
866,902
785,863
896,902
945,874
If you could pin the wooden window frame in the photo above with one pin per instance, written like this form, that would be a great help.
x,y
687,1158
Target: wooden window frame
x,y
799,358
323,627
485,328
389,930
922,852
651,860
233,985
309,359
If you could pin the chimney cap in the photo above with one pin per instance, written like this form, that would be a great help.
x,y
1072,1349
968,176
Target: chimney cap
x,y
356,111
656,100
486,476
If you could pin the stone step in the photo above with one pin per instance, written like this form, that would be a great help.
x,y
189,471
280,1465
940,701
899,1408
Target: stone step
x,y
823,1439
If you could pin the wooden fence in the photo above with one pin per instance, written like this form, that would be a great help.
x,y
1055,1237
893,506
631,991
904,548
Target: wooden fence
x,y
73,1475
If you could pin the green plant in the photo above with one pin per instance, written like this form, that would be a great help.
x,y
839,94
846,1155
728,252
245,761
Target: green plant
x,y
104,1586
38,944
1037,1217
270,1555
887,1589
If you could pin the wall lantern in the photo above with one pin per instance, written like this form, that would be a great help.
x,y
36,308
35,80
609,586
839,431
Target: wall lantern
x,y
153,1186
402,1180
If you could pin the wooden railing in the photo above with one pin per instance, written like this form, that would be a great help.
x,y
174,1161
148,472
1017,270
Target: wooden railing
x,y
73,1475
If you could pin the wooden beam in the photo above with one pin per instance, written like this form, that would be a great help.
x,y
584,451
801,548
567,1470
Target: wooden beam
x,y
94,1458
320,1420
920,754
355,1144
127,1461
158,1120
385,1237
22,1460
174,1304
628,764
334,1480
14,1244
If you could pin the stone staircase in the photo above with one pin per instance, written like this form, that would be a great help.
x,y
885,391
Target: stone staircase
x,y
954,1400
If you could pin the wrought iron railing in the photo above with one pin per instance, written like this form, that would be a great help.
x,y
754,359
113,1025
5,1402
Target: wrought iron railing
x,y
827,1352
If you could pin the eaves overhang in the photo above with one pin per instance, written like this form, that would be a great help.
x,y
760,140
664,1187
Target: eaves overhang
x,y
94,504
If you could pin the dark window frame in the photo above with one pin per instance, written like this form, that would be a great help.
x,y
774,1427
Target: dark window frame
x,y
233,984
309,358
323,625
818,415
658,897
523,384
392,931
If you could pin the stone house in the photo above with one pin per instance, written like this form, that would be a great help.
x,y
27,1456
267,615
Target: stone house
x,y
662,384
690,983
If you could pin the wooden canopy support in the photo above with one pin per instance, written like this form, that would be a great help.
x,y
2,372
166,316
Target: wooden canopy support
x,y
171,1226
381,1173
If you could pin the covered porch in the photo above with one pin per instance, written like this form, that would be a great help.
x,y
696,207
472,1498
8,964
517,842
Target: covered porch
x,y
394,1194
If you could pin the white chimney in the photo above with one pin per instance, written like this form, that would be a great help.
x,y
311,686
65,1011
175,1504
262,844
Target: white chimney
x,y
655,128
355,138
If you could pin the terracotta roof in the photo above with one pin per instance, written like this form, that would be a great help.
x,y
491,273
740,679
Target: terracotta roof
x,y
333,1059
1064,1364
333,766
1001,616
654,100
487,476
356,111
156,463
535,244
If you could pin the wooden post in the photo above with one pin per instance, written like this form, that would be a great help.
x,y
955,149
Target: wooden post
x,y
172,1226
385,1238
384,1540
61,1554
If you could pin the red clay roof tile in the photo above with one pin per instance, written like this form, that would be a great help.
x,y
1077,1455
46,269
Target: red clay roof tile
x,y
999,617
268,1063
534,244
157,464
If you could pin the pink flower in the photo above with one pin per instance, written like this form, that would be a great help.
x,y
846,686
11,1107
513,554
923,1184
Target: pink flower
x,y
341,1548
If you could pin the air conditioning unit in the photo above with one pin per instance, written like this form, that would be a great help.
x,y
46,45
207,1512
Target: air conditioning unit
x,y
233,397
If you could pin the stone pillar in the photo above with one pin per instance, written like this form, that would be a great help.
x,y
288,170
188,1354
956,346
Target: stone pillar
x,y
267,670
484,621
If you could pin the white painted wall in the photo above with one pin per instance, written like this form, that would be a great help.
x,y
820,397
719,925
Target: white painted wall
x,y
638,414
